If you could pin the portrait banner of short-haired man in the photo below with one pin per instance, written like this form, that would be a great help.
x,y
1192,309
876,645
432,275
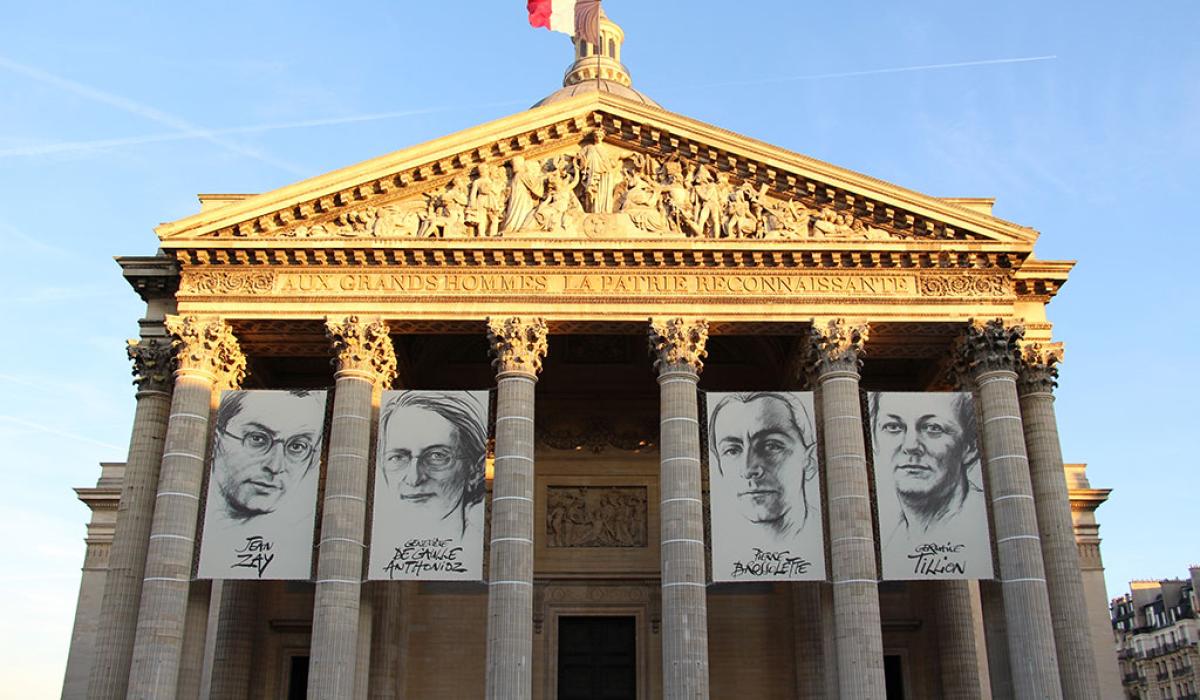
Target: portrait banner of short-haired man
x,y
264,471
428,510
932,511
764,487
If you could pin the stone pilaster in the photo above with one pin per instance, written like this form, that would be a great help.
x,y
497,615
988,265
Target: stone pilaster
x,y
955,620
234,652
988,354
366,363
153,367
808,647
835,352
1037,378
995,631
678,348
518,346
209,361
387,640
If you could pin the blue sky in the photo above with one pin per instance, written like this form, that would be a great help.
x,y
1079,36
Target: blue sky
x,y
115,116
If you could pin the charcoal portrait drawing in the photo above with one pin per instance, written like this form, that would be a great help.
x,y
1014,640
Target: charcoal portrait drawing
x,y
429,486
764,487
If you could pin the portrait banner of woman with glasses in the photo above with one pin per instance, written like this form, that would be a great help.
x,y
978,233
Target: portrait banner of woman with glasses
x,y
428,512
764,487
932,514
261,506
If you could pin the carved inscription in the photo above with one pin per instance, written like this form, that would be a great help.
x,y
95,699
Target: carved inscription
x,y
596,516
585,284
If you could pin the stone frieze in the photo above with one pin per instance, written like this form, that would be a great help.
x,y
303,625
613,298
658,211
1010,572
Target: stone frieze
x,y
596,516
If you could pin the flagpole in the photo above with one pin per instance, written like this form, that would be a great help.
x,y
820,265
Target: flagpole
x,y
599,40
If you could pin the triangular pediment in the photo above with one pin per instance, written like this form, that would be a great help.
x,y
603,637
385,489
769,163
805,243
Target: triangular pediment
x,y
544,174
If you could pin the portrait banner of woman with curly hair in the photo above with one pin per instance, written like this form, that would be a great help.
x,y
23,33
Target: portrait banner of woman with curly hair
x,y
428,509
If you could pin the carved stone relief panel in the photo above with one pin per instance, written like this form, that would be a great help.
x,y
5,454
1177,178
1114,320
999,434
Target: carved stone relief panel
x,y
596,516
593,189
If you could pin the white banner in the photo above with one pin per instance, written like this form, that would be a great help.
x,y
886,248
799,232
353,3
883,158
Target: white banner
x,y
429,487
261,507
929,486
764,487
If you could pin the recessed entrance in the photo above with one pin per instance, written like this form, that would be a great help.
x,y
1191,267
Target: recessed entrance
x,y
893,674
597,658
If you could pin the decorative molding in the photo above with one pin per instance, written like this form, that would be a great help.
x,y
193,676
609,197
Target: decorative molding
x,y
596,516
518,345
595,435
362,345
208,345
153,363
988,346
227,283
1039,367
678,342
964,285
835,345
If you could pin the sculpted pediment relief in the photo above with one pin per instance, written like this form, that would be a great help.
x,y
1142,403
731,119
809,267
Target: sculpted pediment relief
x,y
592,176
598,191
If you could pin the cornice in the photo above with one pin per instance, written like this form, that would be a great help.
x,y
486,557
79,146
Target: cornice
x,y
151,276
632,126
1041,280
713,255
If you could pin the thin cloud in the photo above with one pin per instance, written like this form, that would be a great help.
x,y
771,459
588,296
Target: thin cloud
x,y
102,144
61,433
879,71
179,124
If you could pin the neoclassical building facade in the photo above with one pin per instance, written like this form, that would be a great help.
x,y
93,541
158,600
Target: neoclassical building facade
x,y
538,257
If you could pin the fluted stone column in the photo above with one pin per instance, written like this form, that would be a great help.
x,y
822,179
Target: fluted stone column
x,y
153,367
366,364
518,346
989,355
955,620
208,360
836,348
234,653
1037,378
678,348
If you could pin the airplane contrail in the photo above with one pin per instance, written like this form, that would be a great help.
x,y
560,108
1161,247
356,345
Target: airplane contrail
x,y
180,124
879,71
99,144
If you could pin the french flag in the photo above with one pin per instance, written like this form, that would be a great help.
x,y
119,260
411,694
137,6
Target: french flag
x,y
578,18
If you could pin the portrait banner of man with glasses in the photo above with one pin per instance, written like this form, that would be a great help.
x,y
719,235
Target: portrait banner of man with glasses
x,y
933,521
764,487
260,511
428,511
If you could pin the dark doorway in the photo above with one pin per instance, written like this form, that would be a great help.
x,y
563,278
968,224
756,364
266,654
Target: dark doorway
x,y
298,678
597,658
893,677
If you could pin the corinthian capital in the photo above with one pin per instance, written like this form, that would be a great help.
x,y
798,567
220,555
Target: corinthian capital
x,y
153,363
207,345
836,345
678,341
362,345
1039,367
989,346
517,344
